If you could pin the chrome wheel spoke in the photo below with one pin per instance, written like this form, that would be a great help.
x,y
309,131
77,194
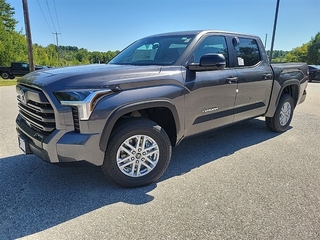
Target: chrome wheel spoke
x,y
137,155
124,160
147,166
133,168
151,152
138,168
285,114
130,162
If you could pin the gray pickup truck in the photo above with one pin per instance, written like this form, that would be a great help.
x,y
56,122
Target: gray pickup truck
x,y
128,114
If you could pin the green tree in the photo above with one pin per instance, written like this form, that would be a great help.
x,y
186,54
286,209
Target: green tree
x,y
12,43
96,57
13,47
5,38
19,51
6,16
278,55
82,56
40,55
52,54
314,50
109,55
298,54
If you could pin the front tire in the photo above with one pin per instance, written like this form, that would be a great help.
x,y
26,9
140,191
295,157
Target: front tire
x,y
5,75
283,115
138,153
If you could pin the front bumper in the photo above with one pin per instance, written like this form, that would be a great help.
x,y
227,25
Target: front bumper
x,y
60,146
52,132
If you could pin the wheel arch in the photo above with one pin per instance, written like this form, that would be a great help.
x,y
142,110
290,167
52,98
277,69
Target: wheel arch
x,y
291,87
148,109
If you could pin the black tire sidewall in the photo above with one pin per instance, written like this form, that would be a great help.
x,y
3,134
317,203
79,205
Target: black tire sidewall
x,y
125,130
284,99
5,75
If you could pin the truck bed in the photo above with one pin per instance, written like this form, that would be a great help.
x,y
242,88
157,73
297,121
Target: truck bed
x,y
284,67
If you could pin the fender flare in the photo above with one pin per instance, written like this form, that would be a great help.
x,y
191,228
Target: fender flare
x,y
115,115
274,99
295,95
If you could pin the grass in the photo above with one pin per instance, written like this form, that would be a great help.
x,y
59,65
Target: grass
x,y
8,82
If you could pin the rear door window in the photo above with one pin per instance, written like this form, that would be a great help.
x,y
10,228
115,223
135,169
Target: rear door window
x,y
247,52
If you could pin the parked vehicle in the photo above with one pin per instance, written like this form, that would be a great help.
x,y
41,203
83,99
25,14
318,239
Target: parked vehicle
x,y
128,114
16,69
314,72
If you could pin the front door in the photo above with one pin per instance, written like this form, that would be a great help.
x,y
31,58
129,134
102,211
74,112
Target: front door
x,y
211,99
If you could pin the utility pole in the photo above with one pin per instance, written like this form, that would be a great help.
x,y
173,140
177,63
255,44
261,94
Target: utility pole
x,y
28,34
274,29
265,41
56,33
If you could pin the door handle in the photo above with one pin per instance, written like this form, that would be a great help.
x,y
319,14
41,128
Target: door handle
x,y
267,76
232,80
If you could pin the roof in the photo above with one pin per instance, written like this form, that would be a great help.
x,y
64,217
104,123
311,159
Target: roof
x,y
199,32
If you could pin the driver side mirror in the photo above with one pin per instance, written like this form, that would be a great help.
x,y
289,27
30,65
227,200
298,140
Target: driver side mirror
x,y
209,62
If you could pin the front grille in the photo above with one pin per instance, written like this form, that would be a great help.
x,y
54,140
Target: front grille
x,y
35,109
76,122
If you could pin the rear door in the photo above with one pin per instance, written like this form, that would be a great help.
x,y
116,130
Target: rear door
x,y
255,78
212,93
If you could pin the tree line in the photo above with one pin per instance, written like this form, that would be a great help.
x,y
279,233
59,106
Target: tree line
x,y
68,55
13,48
309,52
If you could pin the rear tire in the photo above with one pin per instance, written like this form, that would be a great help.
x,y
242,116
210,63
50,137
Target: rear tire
x,y
283,115
138,153
5,75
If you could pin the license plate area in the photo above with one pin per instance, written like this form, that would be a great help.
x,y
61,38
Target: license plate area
x,y
22,144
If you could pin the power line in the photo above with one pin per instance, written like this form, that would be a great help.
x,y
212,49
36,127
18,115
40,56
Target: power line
x,y
51,16
55,9
44,16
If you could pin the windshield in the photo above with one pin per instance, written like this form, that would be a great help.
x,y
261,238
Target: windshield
x,y
161,50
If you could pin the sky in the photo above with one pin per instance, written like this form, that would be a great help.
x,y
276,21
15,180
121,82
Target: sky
x,y
109,25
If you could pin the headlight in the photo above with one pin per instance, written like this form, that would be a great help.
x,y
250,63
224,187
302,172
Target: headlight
x,y
83,99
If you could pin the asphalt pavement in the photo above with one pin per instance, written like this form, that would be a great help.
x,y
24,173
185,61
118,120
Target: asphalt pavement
x,y
241,182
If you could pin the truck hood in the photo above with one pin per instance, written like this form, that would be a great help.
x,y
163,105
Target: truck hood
x,y
99,76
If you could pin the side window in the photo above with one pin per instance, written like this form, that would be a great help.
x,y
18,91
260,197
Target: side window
x,y
24,66
211,44
247,52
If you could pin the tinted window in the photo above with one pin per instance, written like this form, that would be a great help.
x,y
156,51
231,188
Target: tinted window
x,y
247,52
211,44
25,66
162,50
